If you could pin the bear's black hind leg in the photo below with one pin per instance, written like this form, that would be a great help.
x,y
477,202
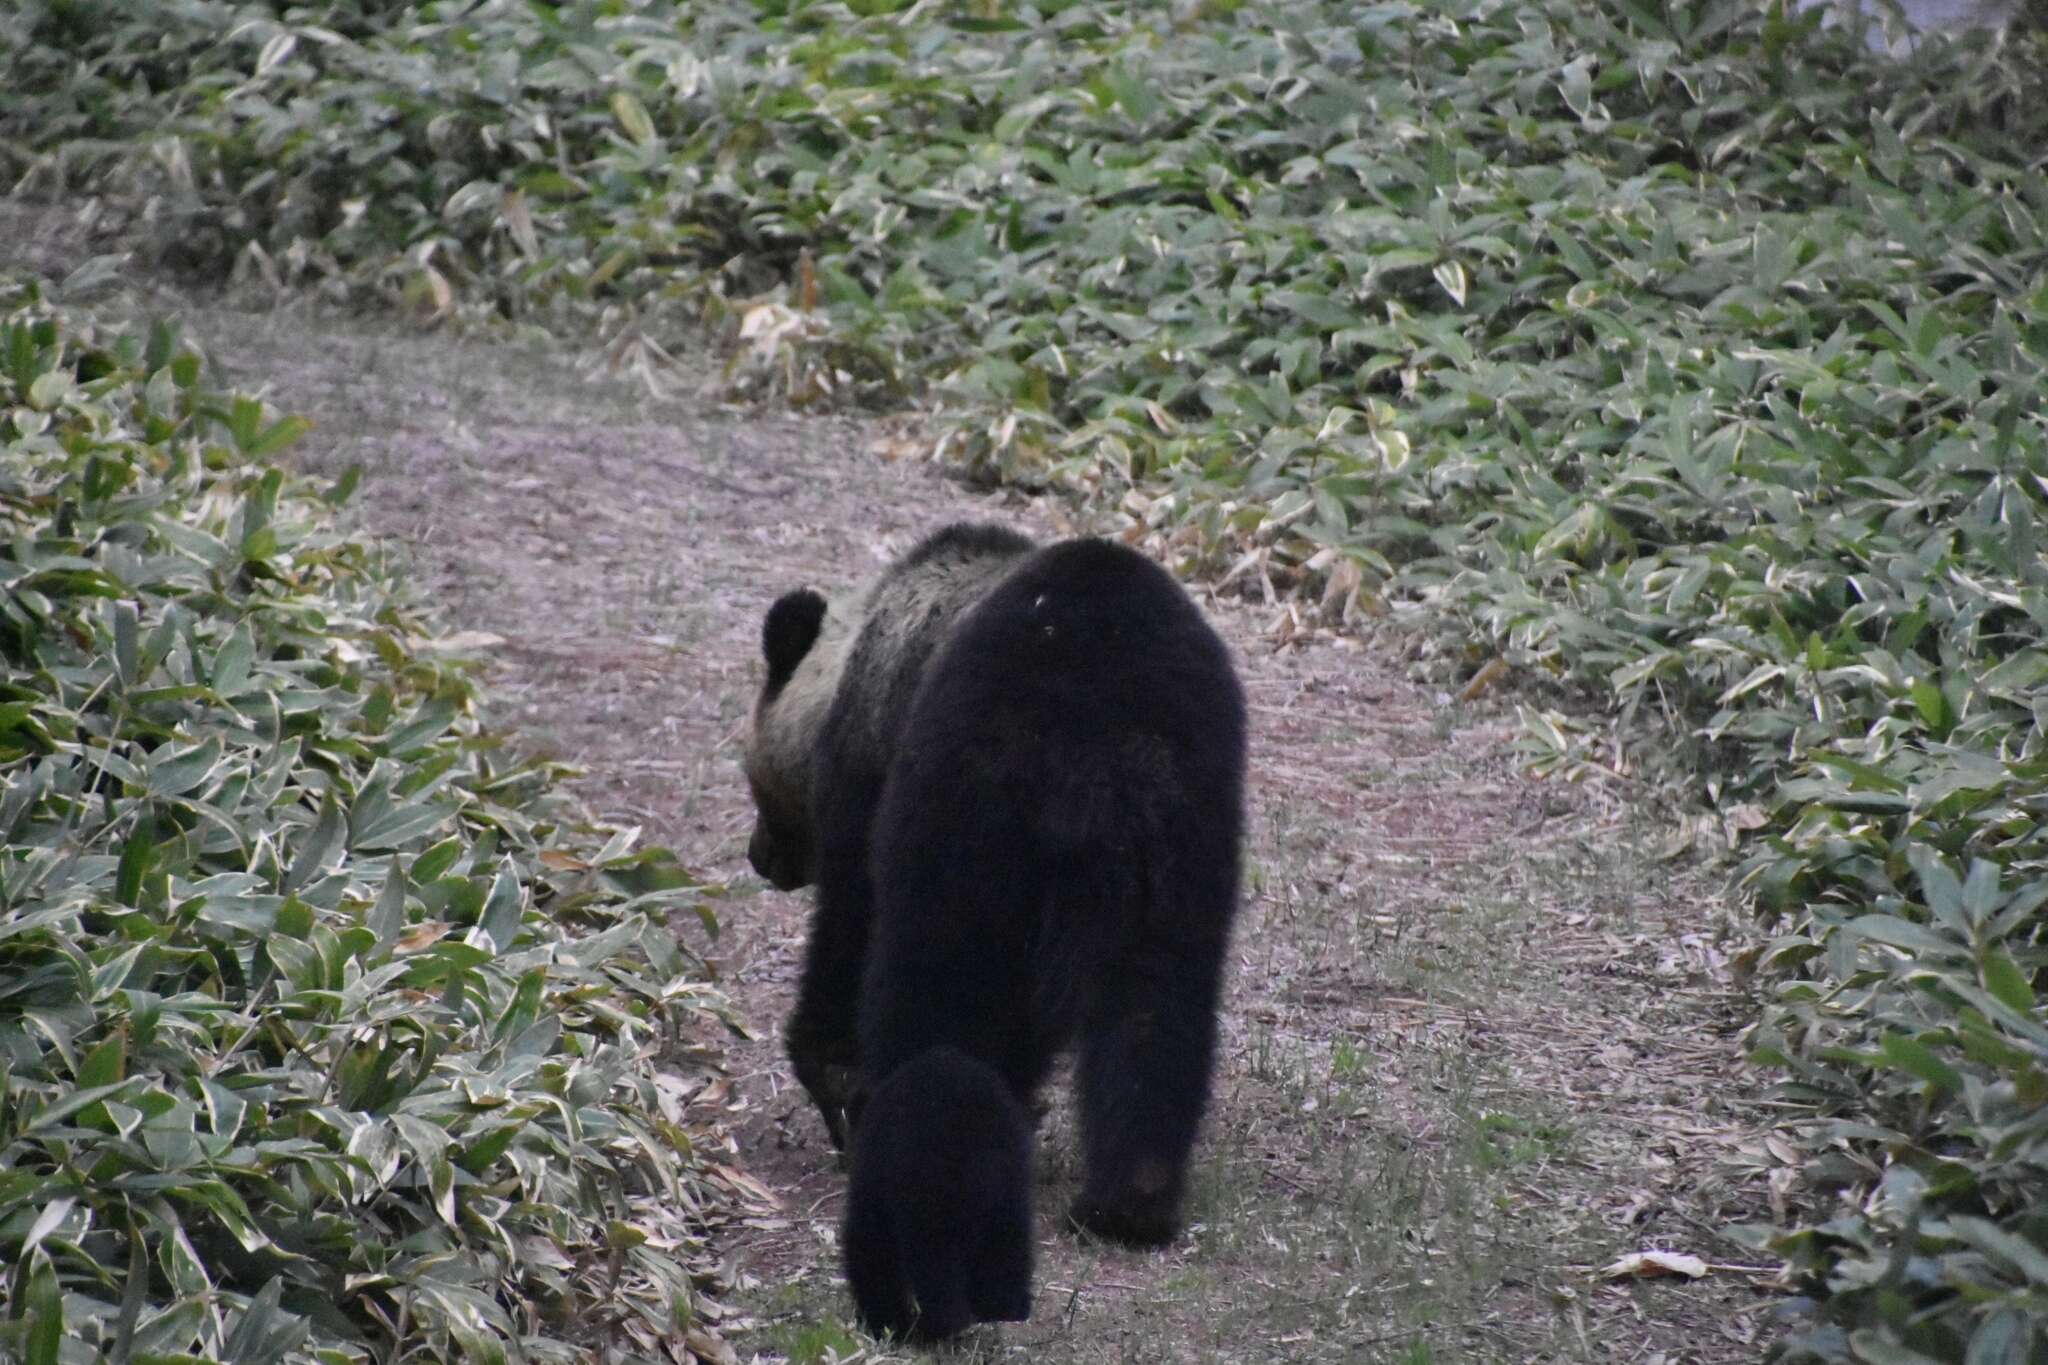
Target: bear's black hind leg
x,y
1143,1084
874,1266
999,1277
938,1205
1147,1050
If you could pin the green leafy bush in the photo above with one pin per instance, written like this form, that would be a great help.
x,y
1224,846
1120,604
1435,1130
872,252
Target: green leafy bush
x,y
317,1041
1688,353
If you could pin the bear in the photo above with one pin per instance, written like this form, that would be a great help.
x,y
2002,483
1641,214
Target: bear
x,y
1016,776
838,687
937,1234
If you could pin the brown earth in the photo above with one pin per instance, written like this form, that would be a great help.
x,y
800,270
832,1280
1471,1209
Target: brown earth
x,y
1481,1039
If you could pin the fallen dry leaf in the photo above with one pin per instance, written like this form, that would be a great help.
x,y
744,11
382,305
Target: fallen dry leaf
x,y
1651,1264
460,642
710,1349
745,1185
1490,673
1746,816
423,935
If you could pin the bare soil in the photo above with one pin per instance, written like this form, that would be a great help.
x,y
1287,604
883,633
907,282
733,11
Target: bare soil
x,y
1481,1039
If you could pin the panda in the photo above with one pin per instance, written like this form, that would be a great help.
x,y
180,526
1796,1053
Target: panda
x,y
1016,775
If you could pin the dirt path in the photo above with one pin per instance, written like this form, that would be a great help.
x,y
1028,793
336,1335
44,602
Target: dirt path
x,y
1479,1042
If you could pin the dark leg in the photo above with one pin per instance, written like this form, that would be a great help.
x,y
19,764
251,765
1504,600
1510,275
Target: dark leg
x,y
999,1282
823,1047
1146,1055
874,1268
821,1034
951,964
940,1286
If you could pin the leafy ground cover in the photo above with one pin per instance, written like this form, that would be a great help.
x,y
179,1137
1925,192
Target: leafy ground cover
x,y
1690,355
1481,1040
322,1035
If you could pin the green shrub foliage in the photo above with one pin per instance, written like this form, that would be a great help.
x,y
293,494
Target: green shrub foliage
x,y
1691,353
316,1039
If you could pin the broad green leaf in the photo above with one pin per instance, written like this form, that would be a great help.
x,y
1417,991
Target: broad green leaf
x,y
2004,1337
106,1064
1942,890
386,916
432,720
275,438
1980,893
266,1332
136,855
325,840
441,1187
182,1265
524,1007
434,863
1878,1349
176,773
231,666
1911,1055
400,825
1451,276
43,1305
500,923
127,651
49,391
632,117
47,1220
1904,933
2015,1250
275,50
2004,979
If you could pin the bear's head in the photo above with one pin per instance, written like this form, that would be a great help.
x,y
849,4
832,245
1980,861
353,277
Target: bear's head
x,y
781,745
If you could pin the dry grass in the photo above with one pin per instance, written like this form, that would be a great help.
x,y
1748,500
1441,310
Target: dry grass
x,y
1481,1039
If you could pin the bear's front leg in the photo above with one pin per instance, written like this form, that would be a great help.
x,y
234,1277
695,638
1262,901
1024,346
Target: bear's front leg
x,y
822,1037
831,1081
823,1048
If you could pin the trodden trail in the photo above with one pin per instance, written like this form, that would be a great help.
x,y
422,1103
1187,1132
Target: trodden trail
x,y
1480,1039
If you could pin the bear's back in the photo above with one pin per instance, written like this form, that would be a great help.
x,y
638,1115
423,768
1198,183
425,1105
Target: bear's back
x,y
1085,647
906,616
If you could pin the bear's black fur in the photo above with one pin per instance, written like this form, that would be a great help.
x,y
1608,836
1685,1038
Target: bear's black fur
x,y
781,847
938,1212
1024,801
847,748
1055,860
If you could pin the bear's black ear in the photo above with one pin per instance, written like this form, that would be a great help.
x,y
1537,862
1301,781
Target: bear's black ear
x,y
789,632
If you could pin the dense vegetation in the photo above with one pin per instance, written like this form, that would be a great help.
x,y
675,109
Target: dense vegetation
x,y
319,1038
1687,353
